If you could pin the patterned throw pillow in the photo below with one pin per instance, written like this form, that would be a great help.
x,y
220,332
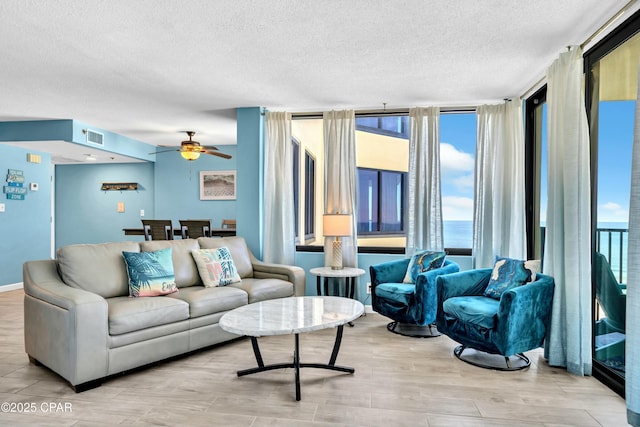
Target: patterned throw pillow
x,y
215,266
509,273
422,261
150,273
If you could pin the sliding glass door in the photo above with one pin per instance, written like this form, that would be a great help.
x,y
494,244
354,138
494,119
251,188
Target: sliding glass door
x,y
612,75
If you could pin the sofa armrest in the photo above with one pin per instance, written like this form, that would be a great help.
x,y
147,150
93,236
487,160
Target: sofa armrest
x,y
65,329
426,291
290,273
524,316
42,281
426,281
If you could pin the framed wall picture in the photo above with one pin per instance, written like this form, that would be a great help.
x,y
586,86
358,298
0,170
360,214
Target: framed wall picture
x,y
217,185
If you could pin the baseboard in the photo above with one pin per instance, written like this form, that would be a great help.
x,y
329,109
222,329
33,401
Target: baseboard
x,y
368,309
11,287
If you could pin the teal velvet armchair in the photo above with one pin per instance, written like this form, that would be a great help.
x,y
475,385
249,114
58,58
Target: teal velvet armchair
x,y
411,306
509,326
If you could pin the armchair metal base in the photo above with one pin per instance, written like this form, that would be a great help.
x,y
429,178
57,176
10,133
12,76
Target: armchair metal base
x,y
496,362
414,331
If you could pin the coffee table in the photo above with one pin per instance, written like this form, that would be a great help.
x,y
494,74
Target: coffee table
x,y
292,315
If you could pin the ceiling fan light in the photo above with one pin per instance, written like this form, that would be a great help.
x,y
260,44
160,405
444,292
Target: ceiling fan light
x,y
190,155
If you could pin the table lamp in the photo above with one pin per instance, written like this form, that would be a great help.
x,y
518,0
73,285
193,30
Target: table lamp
x,y
337,225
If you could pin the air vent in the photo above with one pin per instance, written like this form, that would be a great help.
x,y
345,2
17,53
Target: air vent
x,y
94,137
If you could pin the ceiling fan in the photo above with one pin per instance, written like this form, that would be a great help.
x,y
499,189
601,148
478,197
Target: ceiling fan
x,y
191,149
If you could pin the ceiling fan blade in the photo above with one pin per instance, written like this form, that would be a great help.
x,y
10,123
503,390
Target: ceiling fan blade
x,y
164,151
217,153
209,147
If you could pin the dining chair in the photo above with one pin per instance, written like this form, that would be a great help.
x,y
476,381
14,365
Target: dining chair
x,y
157,229
228,223
194,228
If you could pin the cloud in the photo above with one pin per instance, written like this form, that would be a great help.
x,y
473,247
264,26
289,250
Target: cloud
x,y
612,212
454,161
456,208
464,183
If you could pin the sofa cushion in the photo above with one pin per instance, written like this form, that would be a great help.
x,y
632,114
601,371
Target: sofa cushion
x,y
133,314
401,293
184,267
150,273
508,273
97,268
477,310
203,301
421,261
215,266
238,248
264,289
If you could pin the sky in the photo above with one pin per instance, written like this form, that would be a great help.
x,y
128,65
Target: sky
x,y
457,152
615,143
457,159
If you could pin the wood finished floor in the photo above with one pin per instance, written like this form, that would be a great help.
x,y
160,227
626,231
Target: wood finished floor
x,y
399,381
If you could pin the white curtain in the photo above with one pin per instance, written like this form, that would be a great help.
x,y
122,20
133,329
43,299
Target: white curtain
x,y
499,226
567,256
279,230
424,230
632,330
340,178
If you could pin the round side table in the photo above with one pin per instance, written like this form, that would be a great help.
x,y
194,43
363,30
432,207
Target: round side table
x,y
348,273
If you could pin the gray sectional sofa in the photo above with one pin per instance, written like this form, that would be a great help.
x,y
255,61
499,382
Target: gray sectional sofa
x,y
80,322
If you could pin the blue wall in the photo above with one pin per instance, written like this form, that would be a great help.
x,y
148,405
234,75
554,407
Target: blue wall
x,y
25,226
177,183
86,214
168,189
251,177
72,131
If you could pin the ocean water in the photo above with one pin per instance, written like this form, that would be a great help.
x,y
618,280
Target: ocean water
x,y
457,234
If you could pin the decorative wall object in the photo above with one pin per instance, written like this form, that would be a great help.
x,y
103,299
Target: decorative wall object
x,y
119,186
217,185
15,189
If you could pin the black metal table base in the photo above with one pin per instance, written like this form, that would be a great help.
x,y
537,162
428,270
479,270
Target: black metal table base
x,y
350,286
296,361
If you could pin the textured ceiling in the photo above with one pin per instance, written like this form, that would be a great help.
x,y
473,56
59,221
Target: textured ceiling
x,y
149,69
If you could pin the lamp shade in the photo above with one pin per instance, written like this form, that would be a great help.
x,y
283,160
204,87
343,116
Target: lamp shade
x,y
190,155
337,225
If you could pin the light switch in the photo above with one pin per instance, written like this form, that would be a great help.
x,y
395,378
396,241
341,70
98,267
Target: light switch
x,y
1,207
120,207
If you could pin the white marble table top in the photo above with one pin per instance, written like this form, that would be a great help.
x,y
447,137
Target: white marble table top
x,y
291,315
343,272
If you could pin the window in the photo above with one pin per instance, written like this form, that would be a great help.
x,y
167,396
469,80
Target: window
x,y
457,164
536,172
396,126
310,196
382,162
296,183
381,201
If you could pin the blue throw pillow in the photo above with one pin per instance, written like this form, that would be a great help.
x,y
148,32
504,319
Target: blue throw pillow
x,y
422,261
150,273
507,273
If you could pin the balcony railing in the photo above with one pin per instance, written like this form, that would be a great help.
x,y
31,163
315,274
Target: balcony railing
x,y
612,243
